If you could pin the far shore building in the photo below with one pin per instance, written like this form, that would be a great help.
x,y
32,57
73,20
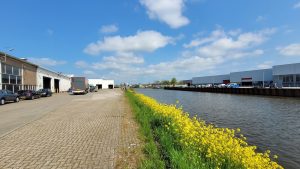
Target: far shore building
x,y
218,79
19,74
252,77
286,76
102,83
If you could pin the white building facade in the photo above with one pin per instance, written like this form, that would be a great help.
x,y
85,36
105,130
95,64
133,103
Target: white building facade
x,y
57,82
252,78
102,83
218,79
287,75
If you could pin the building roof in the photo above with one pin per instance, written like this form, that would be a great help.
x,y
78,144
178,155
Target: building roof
x,y
18,59
25,61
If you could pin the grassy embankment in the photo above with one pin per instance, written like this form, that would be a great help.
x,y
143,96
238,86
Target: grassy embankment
x,y
174,140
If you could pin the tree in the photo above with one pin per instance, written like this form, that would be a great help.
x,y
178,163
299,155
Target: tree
x,y
173,81
165,82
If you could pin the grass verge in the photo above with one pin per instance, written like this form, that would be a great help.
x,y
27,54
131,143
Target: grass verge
x,y
174,140
161,149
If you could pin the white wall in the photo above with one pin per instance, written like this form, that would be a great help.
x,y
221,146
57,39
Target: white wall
x,y
64,81
102,82
288,69
256,75
218,79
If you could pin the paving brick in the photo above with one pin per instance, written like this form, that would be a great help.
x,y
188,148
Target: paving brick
x,y
85,133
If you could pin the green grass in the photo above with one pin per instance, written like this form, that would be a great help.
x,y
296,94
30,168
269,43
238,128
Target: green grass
x,y
161,148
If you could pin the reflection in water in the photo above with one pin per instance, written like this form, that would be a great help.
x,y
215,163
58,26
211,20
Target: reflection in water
x,y
269,122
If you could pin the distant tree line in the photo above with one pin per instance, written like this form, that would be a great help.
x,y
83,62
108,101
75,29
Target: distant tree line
x,y
172,82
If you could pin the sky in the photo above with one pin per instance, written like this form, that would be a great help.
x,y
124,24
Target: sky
x,y
141,41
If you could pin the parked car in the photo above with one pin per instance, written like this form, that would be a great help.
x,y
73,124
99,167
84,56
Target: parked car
x,y
233,85
45,92
208,86
7,95
222,86
28,94
93,89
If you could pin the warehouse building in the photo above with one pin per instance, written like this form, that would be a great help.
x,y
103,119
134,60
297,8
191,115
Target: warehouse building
x,y
16,74
19,74
287,75
218,79
260,77
57,82
101,83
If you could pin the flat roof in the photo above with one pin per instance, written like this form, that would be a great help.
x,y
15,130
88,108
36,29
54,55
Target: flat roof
x,y
24,61
251,70
18,59
289,64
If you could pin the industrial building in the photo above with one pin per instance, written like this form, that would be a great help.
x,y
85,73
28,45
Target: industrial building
x,y
102,83
16,74
259,77
287,75
48,79
218,79
19,74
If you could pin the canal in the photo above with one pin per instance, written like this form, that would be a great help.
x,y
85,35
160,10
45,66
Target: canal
x,y
271,123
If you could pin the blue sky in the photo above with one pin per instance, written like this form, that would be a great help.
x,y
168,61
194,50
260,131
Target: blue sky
x,y
147,40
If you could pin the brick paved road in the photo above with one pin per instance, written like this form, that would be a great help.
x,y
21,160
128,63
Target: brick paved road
x,y
83,133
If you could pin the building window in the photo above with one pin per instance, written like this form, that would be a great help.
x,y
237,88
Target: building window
x,y
298,78
3,68
9,87
9,70
13,79
5,78
288,79
19,80
16,88
16,71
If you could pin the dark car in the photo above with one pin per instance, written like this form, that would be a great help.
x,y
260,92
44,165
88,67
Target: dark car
x,y
93,89
8,96
28,94
45,92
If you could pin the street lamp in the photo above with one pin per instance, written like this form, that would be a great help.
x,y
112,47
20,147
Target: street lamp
x,y
9,50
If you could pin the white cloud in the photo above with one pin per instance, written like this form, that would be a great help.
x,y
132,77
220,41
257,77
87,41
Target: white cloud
x,y
109,29
297,5
200,41
208,52
81,64
168,11
290,50
121,62
265,65
221,44
89,72
143,41
46,61
125,58
204,54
